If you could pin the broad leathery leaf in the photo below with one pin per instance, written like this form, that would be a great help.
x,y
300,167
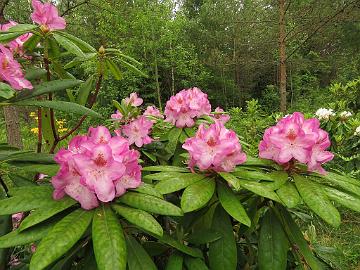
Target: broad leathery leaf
x,y
54,51
5,227
259,162
79,60
251,174
47,87
296,238
47,212
133,68
175,262
177,183
114,69
64,106
20,181
232,205
279,179
289,195
160,176
17,238
203,237
167,239
85,90
22,28
315,198
139,218
6,37
148,189
231,179
47,131
48,169
32,157
34,73
223,252
138,259
350,201
347,183
121,55
37,191
260,189
273,244
61,238
68,45
108,240
197,195
61,72
84,46
155,248
173,138
32,42
6,91
150,204
195,264
164,169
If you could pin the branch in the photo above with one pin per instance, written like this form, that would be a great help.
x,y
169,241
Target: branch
x,y
67,11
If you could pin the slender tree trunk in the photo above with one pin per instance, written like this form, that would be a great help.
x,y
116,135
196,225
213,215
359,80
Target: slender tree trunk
x,y
10,112
282,55
157,82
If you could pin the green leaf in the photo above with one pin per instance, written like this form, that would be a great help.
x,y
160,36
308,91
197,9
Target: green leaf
x,y
48,87
79,60
64,106
84,46
133,68
177,183
260,189
232,205
5,227
223,252
114,69
347,183
316,199
148,189
108,240
197,195
231,179
195,264
32,42
164,169
273,244
85,90
47,212
175,262
47,131
34,73
204,236
19,180
22,28
138,259
42,191
140,218
42,158
297,239
17,238
350,201
6,91
251,161
61,238
150,204
6,37
161,176
173,138
68,45
289,195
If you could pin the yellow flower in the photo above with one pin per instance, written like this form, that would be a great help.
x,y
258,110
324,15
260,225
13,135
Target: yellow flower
x,y
34,130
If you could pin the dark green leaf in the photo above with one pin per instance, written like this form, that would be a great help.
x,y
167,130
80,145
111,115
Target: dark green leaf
x,y
164,169
114,69
20,181
138,259
85,47
22,28
132,68
175,262
177,183
32,42
173,138
6,37
70,46
85,90
289,195
197,195
260,189
203,237
148,189
108,240
195,264
34,73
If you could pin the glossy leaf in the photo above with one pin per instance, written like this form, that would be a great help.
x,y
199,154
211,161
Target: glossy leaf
x,y
316,199
132,68
273,244
138,259
114,69
177,183
289,195
175,262
85,90
161,176
140,218
6,37
68,45
232,205
150,204
347,183
197,195
203,237
84,46
164,169
61,238
223,252
108,240
148,189
173,138
32,42
260,189
34,73
231,179
22,28
195,264
6,91
350,201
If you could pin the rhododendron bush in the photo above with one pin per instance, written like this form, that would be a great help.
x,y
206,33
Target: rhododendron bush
x,y
148,189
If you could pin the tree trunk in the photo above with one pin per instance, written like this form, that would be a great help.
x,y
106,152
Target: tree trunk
x,y
282,55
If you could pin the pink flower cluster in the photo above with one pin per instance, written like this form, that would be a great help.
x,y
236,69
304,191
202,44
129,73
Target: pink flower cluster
x,y
152,111
220,115
10,70
297,139
133,100
186,105
16,45
96,167
137,131
117,115
47,16
215,148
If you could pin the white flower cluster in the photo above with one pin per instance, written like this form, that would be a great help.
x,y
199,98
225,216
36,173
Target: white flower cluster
x,y
345,114
324,114
357,131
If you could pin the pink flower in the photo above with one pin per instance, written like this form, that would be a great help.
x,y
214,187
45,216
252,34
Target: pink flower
x,y
296,139
47,16
118,115
16,45
138,131
96,167
16,219
215,148
220,115
152,111
185,106
10,70
133,100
